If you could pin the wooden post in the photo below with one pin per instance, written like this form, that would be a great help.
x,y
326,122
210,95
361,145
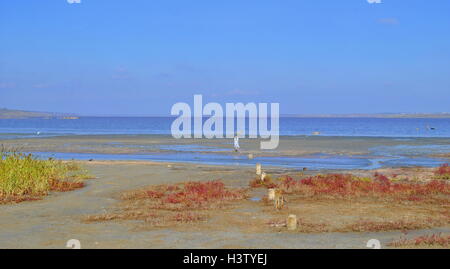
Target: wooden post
x,y
263,176
258,169
279,199
291,222
271,194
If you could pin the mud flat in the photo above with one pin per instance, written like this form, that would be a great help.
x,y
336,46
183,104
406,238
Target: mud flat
x,y
289,145
312,152
50,222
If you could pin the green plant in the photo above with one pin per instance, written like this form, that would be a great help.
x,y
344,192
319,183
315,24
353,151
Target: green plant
x,y
25,177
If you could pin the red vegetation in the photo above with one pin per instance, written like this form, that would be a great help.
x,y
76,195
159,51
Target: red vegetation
x,y
55,185
192,195
199,194
164,205
187,217
443,172
343,185
433,240
64,186
397,225
18,198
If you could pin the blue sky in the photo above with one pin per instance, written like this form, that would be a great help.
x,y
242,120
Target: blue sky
x,y
139,57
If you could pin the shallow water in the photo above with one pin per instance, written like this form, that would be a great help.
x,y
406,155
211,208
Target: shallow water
x,y
192,148
408,142
311,162
411,150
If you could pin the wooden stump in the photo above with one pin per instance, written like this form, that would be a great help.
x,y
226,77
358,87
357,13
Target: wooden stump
x,y
291,222
263,176
271,194
279,199
258,169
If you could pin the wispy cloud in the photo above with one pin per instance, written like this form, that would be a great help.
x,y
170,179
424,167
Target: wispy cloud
x,y
42,85
121,73
374,1
391,21
7,85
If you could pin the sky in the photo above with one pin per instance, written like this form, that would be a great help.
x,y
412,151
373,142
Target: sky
x,y
111,57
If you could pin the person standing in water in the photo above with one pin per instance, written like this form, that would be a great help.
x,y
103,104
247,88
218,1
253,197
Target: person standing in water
x,y
236,143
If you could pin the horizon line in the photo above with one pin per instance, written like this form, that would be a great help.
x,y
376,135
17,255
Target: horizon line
x,y
293,115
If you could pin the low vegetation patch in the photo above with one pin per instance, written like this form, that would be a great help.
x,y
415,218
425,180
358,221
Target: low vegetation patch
x,y
189,195
163,205
24,177
268,182
398,225
347,186
431,241
322,203
349,203
443,172
363,225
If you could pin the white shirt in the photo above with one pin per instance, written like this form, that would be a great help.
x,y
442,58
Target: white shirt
x,y
236,142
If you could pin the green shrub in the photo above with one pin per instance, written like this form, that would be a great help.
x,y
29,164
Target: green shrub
x,y
25,175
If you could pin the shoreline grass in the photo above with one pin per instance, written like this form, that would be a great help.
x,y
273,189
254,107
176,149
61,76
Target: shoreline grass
x,y
23,177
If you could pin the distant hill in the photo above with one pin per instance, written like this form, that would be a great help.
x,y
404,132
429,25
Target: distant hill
x,y
380,115
21,114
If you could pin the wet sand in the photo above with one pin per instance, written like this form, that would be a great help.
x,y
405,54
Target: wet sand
x,y
147,144
311,152
49,223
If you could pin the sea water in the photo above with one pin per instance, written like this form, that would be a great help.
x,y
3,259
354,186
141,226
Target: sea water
x,y
399,129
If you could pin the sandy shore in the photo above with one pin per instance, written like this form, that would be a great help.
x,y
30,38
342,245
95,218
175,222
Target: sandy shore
x,y
49,223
